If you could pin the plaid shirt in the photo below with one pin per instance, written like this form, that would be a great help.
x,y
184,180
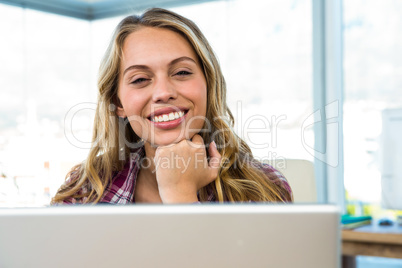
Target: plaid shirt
x,y
122,187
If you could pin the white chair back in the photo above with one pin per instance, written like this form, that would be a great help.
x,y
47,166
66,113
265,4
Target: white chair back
x,y
300,175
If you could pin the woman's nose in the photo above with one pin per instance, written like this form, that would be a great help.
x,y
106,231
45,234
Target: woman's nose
x,y
163,91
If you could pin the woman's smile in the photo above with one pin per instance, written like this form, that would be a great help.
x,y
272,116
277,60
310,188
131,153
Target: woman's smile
x,y
168,118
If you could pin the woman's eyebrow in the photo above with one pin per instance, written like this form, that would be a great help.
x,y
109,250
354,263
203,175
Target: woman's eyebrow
x,y
184,58
140,67
144,67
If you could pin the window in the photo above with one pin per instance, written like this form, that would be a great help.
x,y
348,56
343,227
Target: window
x,y
265,51
50,67
372,83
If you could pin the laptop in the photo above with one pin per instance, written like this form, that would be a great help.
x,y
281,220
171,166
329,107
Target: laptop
x,y
204,235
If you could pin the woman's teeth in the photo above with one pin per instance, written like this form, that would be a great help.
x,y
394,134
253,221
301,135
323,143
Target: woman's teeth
x,y
168,117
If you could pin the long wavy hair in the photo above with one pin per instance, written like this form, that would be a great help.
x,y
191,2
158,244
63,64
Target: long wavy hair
x,y
240,177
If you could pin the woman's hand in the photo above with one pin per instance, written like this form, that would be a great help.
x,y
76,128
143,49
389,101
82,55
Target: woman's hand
x,y
182,169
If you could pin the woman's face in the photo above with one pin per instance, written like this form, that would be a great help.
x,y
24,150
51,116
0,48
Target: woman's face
x,y
162,87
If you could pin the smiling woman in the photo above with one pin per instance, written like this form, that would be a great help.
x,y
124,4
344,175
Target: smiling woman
x,y
163,131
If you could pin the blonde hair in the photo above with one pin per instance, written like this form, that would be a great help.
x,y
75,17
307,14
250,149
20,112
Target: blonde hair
x,y
240,177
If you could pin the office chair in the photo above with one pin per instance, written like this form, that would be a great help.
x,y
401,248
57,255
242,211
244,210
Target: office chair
x,y
300,175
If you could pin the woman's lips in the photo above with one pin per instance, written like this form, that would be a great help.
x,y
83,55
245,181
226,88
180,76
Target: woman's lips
x,y
169,124
168,118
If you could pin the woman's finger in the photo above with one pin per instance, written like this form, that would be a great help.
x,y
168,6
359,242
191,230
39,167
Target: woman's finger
x,y
215,159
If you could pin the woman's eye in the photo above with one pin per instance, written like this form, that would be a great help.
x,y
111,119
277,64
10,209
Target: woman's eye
x,y
139,80
183,73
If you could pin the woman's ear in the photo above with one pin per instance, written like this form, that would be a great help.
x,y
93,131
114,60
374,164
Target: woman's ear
x,y
120,112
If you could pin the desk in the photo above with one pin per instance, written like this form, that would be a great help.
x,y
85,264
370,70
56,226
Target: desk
x,y
371,240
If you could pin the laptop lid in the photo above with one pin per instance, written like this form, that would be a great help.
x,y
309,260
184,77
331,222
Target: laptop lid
x,y
213,235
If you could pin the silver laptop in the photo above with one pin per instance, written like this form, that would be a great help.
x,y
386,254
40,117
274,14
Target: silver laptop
x,y
216,235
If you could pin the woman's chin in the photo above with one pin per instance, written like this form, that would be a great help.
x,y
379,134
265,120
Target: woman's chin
x,y
165,141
